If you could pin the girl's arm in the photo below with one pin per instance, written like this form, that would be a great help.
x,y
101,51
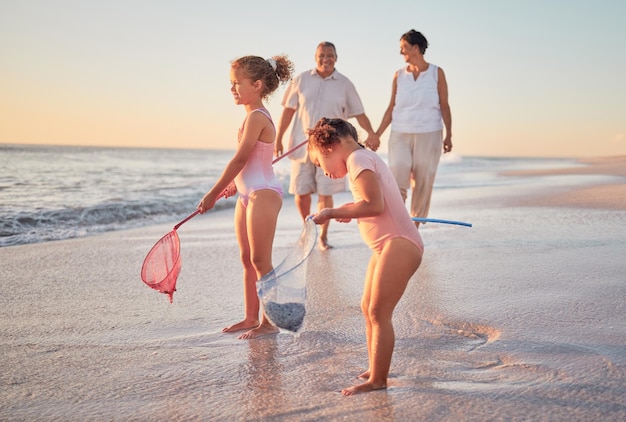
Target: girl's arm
x,y
371,204
252,130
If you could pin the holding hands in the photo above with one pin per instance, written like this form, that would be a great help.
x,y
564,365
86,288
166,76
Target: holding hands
x,y
373,141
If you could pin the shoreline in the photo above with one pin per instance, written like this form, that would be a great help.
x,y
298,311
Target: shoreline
x,y
595,194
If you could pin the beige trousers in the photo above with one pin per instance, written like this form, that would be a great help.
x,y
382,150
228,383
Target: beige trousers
x,y
413,160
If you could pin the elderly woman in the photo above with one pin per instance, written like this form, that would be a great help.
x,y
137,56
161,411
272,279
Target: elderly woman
x,y
417,112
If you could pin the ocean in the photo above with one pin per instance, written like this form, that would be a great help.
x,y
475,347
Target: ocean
x,y
61,192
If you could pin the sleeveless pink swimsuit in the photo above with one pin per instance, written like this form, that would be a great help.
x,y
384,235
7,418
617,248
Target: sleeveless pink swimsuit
x,y
258,172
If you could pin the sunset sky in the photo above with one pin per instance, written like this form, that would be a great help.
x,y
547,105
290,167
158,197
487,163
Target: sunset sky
x,y
526,78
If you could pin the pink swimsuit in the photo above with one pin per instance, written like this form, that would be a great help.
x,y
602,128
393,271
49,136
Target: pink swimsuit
x,y
395,220
258,172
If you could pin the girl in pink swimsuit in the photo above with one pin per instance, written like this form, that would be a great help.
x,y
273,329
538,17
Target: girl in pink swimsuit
x,y
250,172
385,226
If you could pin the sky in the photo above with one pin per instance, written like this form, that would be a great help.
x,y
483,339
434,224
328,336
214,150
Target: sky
x,y
535,78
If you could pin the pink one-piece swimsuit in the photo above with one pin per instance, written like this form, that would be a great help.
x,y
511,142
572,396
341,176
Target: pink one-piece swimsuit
x,y
395,220
258,172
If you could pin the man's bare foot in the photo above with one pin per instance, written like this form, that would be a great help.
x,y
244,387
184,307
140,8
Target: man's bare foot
x,y
261,330
365,375
363,388
243,325
323,245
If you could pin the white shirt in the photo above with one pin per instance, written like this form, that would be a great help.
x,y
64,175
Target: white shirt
x,y
417,108
314,97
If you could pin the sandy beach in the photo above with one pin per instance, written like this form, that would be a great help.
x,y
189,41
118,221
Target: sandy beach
x,y
520,317
606,195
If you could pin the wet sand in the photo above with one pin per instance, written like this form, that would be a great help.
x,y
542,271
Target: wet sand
x,y
520,317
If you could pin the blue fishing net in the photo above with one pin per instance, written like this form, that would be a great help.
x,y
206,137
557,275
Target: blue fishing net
x,y
283,291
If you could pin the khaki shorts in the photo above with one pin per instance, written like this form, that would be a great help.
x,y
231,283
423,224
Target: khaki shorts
x,y
306,178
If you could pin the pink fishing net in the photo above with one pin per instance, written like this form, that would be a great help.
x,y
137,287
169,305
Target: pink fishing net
x,y
162,265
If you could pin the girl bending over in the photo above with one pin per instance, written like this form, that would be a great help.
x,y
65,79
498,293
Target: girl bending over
x,y
385,226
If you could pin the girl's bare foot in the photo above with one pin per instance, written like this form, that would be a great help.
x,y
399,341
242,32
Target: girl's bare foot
x,y
365,375
243,325
363,388
261,330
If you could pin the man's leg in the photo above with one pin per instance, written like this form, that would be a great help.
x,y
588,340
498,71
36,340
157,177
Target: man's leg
x,y
324,201
303,203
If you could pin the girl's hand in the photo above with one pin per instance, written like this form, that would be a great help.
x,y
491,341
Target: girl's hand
x,y
322,216
207,202
229,191
326,214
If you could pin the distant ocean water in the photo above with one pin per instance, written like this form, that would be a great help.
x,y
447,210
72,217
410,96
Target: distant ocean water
x,y
60,192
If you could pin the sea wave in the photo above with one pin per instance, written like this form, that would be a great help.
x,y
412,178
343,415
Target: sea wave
x,y
56,224
60,192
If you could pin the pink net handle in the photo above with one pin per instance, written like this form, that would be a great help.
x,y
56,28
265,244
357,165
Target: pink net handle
x,y
301,144
196,212
189,217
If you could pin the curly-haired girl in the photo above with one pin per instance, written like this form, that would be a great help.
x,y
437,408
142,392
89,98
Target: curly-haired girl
x,y
385,226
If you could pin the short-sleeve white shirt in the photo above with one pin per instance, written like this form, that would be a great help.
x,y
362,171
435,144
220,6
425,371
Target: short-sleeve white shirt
x,y
314,97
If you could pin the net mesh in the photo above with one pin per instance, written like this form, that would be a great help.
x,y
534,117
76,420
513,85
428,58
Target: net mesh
x,y
283,291
162,265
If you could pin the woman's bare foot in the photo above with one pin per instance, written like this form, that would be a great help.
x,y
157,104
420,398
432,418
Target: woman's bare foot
x,y
365,375
243,325
323,244
261,330
363,388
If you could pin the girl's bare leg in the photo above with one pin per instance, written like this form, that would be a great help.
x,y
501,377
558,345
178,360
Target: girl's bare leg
x,y
261,218
365,305
396,264
251,299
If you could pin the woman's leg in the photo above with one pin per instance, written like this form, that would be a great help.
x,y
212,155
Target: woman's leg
x,y
250,297
400,160
426,156
261,218
397,262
